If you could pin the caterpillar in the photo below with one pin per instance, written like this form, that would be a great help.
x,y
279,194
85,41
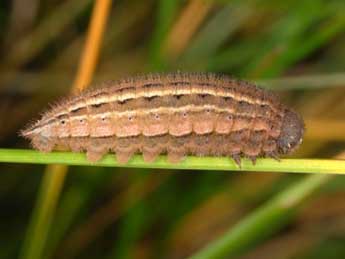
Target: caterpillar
x,y
178,114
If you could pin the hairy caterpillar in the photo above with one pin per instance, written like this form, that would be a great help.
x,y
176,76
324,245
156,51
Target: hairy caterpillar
x,y
177,114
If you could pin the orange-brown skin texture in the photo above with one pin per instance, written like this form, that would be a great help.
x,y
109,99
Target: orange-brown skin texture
x,y
178,114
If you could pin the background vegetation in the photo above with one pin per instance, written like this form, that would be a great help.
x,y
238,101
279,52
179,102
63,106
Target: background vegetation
x,y
50,48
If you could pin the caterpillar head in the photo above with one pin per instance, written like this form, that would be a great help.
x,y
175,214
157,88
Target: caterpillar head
x,y
291,134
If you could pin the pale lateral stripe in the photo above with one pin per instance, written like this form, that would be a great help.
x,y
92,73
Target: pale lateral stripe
x,y
163,110
163,92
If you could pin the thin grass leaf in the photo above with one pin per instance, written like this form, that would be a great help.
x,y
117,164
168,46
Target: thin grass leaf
x,y
45,32
264,221
304,82
322,166
219,29
43,212
132,225
165,15
298,45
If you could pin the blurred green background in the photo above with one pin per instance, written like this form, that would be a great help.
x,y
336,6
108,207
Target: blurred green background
x,y
296,47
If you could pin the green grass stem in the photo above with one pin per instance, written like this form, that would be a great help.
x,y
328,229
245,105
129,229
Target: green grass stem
x,y
324,166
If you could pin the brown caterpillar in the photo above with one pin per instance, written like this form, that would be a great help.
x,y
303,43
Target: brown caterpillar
x,y
177,114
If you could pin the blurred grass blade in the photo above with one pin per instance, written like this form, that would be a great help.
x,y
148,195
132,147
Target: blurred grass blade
x,y
74,202
185,27
216,32
99,221
45,32
285,47
165,15
264,221
135,221
302,82
43,212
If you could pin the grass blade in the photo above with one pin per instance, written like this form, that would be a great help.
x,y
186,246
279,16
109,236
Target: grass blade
x,y
43,213
263,221
322,166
